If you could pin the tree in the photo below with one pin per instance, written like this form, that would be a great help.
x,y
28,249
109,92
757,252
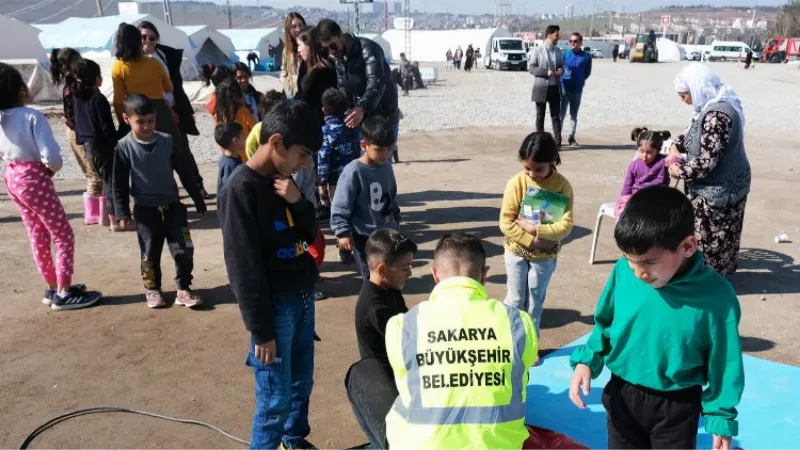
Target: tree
x,y
788,22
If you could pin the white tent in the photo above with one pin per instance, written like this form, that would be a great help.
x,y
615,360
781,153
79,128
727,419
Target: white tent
x,y
387,49
669,51
246,40
431,45
211,46
27,55
97,33
94,38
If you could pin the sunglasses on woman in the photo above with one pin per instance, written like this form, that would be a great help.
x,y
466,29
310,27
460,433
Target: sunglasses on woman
x,y
149,37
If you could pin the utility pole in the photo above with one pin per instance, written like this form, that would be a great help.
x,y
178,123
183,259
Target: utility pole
x,y
408,29
167,12
591,20
385,15
610,17
357,12
230,15
99,8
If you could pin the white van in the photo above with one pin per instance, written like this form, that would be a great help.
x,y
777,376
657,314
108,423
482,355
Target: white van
x,y
506,53
727,50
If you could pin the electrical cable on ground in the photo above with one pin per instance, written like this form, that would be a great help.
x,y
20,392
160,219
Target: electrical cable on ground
x,y
112,409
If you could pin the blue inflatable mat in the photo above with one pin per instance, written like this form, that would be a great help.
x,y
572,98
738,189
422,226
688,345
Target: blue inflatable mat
x,y
769,413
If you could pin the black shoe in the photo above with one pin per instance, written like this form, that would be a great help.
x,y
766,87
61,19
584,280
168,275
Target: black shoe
x,y
204,193
573,142
75,300
303,444
50,294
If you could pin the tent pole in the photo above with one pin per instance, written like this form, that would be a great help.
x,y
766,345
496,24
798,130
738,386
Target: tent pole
x,y
99,8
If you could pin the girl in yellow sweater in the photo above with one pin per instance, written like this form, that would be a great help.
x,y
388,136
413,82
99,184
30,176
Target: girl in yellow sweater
x,y
531,249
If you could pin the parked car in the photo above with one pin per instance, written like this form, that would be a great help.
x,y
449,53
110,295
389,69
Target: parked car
x,y
693,56
597,53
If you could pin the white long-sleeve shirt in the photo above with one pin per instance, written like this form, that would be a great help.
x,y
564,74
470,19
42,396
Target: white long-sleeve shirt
x,y
25,136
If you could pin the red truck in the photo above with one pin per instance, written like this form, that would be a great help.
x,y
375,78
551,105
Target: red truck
x,y
781,49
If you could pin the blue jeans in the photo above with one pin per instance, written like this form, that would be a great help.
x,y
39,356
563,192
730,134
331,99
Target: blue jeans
x,y
573,99
527,282
283,388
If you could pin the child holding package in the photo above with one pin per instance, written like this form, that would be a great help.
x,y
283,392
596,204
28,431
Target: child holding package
x,y
96,132
665,326
146,158
648,169
231,142
531,249
366,196
32,156
369,382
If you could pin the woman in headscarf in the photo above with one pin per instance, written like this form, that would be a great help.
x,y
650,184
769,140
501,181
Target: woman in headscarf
x,y
714,164
290,65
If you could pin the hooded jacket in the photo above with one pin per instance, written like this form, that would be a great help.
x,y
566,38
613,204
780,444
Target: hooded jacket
x,y
681,335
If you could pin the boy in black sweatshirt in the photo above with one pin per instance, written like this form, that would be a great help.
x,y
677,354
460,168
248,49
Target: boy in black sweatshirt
x,y
145,158
267,226
370,382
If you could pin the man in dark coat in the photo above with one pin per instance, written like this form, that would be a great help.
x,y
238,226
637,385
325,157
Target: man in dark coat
x,y
363,74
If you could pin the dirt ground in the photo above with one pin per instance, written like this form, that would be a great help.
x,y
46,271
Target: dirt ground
x,y
190,364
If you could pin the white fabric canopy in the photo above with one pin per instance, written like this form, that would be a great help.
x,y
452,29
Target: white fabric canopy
x,y
97,33
669,51
387,48
246,40
431,45
211,46
20,41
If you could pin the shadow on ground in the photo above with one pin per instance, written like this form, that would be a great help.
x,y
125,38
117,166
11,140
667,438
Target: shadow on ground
x,y
765,272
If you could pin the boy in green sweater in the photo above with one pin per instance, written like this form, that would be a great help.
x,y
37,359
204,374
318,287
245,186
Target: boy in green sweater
x,y
666,325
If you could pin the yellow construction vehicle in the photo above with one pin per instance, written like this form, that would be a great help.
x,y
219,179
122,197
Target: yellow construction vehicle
x,y
645,49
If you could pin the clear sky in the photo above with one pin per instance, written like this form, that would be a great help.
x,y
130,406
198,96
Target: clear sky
x,y
518,6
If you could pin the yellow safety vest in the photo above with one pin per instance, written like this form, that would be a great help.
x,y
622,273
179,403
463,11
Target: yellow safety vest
x,y
461,364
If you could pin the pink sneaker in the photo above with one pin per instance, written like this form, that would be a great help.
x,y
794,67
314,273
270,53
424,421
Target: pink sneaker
x,y
155,299
188,298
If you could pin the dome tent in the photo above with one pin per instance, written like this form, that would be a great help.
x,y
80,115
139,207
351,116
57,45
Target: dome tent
x,y
211,46
97,34
669,51
431,45
27,56
260,40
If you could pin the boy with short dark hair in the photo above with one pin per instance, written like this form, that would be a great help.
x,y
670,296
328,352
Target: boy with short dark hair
x,y
369,382
665,326
146,158
229,137
267,225
366,196
340,143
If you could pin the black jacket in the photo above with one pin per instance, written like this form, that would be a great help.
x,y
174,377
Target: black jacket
x,y
312,85
365,76
183,107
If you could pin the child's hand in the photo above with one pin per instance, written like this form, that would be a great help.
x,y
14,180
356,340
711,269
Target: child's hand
x,y
265,353
346,243
124,223
722,442
526,225
581,381
674,171
674,154
286,189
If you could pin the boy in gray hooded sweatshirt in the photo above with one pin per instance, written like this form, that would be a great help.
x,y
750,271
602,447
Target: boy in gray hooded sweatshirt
x,y
366,194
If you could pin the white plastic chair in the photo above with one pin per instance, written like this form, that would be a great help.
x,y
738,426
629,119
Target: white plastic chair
x,y
606,209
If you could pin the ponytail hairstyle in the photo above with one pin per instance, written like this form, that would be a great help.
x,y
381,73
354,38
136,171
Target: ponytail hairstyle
x,y
211,74
61,62
13,90
656,138
540,147
85,78
229,99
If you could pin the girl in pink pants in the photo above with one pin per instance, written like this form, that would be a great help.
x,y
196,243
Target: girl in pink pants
x,y
32,157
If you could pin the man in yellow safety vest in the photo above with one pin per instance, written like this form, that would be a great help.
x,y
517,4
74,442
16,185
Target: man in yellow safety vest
x,y
460,360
